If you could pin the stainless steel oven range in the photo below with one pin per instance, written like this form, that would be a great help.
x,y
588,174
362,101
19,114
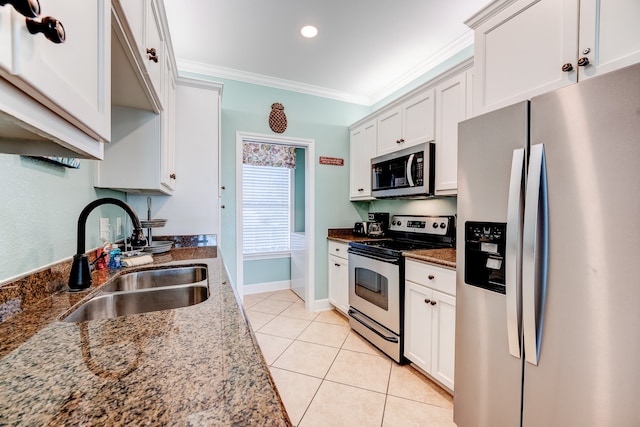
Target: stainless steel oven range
x,y
376,277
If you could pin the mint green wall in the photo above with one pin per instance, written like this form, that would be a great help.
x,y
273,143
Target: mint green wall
x,y
246,108
266,270
41,203
299,195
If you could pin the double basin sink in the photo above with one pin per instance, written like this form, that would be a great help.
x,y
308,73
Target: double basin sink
x,y
145,291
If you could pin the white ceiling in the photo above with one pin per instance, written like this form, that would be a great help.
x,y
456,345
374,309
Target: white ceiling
x,y
365,49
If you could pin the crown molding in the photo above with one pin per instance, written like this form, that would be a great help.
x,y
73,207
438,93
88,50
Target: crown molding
x,y
260,79
487,12
425,66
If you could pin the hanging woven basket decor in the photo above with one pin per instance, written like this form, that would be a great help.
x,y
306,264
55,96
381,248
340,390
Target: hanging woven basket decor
x,y
277,118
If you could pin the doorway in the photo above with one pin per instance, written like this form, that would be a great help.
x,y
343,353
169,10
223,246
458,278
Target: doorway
x,y
301,234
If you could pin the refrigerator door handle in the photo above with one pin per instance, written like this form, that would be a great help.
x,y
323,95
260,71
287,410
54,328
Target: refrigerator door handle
x,y
535,253
513,273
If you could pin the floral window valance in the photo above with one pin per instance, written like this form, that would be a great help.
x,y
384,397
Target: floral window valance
x,y
274,155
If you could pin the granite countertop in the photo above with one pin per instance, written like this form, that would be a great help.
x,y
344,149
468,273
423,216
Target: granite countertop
x,y
198,365
445,257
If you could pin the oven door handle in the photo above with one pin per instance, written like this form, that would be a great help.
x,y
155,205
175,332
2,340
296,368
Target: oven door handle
x,y
353,314
391,260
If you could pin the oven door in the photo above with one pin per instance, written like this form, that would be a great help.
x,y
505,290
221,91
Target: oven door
x,y
374,288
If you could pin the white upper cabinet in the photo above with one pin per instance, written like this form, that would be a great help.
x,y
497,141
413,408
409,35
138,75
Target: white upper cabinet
x,y
139,56
407,124
144,93
429,113
169,129
520,52
524,48
67,72
451,99
418,118
390,131
362,149
609,35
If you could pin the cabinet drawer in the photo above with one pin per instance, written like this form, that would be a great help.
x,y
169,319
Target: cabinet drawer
x,y
437,278
338,249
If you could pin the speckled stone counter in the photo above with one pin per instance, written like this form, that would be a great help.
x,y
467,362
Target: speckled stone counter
x,y
445,257
345,235
198,365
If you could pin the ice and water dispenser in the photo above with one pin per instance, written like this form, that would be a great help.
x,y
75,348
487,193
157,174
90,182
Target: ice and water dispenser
x,y
484,255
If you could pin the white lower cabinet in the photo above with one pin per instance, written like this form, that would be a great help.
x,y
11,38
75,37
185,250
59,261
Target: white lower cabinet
x,y
339,276
430,318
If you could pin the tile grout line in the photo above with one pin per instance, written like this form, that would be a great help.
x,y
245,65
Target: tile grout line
x,y
324,377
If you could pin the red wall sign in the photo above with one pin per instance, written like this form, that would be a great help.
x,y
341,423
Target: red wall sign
x,y
334,161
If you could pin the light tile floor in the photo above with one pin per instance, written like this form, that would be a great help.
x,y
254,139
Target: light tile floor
x,y
327,375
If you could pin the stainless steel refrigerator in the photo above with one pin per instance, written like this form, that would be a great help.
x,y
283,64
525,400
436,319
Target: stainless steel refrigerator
x,y
548,260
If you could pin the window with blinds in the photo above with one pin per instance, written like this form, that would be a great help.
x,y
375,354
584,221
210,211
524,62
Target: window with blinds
x,y
266,209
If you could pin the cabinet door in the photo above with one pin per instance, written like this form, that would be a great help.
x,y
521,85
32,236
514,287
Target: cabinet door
x,y
135,12
72,78
155,42
444,338
389,131
339,283
609,35
418,325
520,52
451,101
418,118
169,129
362,150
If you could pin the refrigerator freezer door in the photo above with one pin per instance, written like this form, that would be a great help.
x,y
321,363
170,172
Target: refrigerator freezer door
x,y
588,373
488,380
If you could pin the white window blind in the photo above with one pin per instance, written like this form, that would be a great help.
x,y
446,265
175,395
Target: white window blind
x,y
266,209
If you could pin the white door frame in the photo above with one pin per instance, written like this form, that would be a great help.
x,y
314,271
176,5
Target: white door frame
x,y
309,207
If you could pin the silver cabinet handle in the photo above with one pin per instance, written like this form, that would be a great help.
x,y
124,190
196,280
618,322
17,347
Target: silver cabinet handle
x,y
535,254
513,278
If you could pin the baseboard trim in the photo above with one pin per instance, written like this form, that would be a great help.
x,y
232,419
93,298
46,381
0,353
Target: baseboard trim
x,y
258,288
322,305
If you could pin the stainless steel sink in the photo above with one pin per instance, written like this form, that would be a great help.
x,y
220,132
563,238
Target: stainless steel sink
x,y
147,279
109,305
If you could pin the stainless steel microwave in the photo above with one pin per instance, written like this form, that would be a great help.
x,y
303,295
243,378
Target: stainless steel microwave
x,y
406,173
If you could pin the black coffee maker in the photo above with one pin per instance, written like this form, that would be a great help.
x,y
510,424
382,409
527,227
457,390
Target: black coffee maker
x,y
381,218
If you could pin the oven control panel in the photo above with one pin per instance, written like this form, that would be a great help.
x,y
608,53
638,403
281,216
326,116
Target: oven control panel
x,y
437,225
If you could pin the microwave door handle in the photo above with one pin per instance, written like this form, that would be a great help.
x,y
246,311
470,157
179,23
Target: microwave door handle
x,y
409,164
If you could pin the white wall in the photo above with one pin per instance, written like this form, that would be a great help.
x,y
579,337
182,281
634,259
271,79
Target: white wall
x,y
193,207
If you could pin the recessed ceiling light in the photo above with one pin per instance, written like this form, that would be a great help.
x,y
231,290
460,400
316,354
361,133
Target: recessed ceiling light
x,y
309,31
